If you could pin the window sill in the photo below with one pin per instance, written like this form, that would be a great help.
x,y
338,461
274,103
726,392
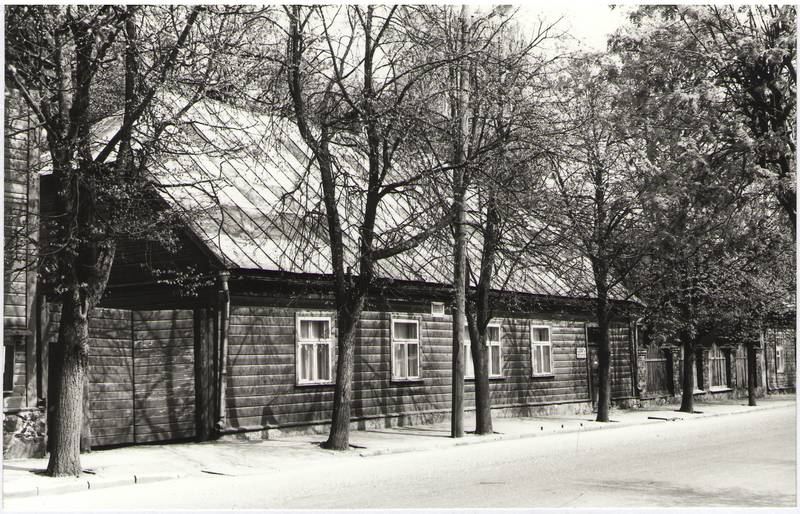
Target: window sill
x,y
491,378
406,381
314,384
544,375
721,389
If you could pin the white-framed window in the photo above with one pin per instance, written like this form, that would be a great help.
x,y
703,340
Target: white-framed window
x,y
437,309
493,342
405,349
314,350
541,351
780,361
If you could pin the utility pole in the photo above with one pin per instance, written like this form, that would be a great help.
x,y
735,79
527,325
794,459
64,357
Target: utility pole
x,y
460,137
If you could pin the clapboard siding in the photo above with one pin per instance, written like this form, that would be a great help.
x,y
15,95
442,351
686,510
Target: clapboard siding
x,y
20,194
164,394
261,387
261,369
17,175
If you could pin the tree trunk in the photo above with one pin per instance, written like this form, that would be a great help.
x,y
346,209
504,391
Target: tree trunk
x,y
73,339
86,425
604,369
687,394
339,436
483,406
752,363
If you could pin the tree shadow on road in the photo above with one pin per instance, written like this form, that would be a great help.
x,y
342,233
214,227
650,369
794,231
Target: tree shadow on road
x,y
700,496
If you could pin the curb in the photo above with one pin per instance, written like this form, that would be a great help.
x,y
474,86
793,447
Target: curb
x,y
530,435
87,484
501,437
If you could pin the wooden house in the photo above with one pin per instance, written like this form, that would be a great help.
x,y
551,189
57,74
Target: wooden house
x,y
249,347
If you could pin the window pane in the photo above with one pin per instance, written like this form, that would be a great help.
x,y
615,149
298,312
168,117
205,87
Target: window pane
x,y
537,359
405,330
541,334
399,361
469,366
413,360
323,362
306,361
8,366
314,329
546,359
493,334
495,361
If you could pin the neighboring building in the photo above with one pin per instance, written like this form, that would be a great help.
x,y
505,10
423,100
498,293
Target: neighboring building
x,y
23,417
720,367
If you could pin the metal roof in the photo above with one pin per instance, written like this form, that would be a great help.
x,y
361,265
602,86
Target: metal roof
x,y
250,191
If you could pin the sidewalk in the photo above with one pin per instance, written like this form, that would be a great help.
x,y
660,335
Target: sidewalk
x,y
142,464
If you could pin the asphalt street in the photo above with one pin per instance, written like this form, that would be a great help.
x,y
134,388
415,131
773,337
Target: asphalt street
x,y
743,460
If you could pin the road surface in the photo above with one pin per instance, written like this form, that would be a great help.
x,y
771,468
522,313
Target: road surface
x,y
727,461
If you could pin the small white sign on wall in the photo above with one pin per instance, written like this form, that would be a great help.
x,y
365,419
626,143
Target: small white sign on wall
x,y
580,352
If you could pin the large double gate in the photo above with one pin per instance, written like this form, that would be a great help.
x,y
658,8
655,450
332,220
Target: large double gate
x,y
141,376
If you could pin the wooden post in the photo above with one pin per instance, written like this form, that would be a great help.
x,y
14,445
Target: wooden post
x,y
224,302
203,378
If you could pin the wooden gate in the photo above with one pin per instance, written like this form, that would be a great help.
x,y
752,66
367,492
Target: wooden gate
x,y
111,377
659,370
163,356
741,367
141,376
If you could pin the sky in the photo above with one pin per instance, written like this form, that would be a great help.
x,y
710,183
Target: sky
x,y
588,23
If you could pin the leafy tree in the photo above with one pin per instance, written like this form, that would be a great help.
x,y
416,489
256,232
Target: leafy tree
x,y
744,56
95,78
702,124
599,182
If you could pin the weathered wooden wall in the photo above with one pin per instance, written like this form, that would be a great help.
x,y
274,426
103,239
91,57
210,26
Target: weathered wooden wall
x,y
786,338
20,232
261,389
518,387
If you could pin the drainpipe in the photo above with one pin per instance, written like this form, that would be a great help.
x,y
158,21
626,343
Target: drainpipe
x,y
764,355
634,331
224,303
